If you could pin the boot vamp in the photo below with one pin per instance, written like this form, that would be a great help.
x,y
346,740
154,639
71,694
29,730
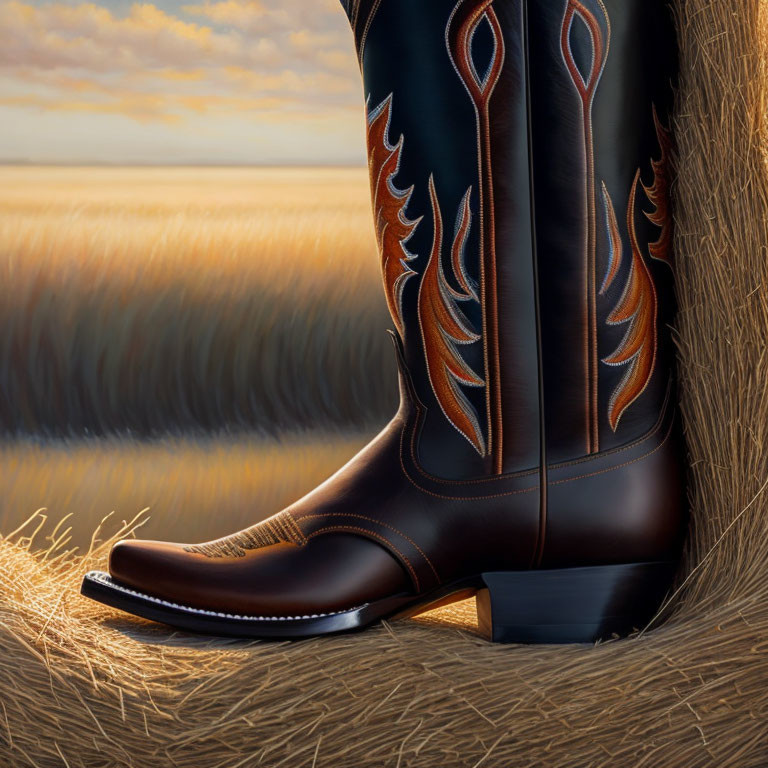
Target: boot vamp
x,y
373,530
329,573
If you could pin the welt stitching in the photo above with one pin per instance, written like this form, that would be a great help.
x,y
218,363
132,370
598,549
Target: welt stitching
x,y
376,522
407,562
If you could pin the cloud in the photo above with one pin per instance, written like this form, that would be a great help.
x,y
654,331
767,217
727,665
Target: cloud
x,y
267,16
234,55
89,36
235,13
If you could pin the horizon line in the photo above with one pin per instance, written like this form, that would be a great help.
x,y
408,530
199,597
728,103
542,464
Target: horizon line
x,y
151,164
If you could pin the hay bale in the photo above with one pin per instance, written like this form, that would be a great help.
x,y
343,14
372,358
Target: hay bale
x,y
82,686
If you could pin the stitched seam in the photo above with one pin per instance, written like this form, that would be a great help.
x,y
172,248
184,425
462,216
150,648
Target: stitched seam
x,y
376,522
364,38
497,384
386,541
654,431
587,90
648,436
618,466
481,99
536,487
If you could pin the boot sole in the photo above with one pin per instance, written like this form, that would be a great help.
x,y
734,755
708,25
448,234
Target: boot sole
x,y
569,605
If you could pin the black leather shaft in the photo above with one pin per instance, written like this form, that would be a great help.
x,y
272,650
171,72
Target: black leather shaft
x,y
545,112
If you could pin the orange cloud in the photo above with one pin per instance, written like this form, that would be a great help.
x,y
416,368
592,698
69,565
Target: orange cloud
x,y
236,13
92,37
149,64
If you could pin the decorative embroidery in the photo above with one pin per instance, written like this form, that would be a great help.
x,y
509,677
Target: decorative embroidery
x,y
443,327
363,33
462,26
639,304
280,528
638,307
393,228
615,248
659,194
586,86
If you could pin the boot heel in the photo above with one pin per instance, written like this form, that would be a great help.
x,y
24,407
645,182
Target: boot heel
x,y
571,605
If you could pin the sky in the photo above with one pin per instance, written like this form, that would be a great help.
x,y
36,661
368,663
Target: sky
x,y
179,81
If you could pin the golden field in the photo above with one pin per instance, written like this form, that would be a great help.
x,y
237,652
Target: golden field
x,y
197,342
147,300
198,489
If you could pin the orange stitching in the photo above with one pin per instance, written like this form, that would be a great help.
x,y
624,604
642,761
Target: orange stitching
x,y
537,486
443,328
586,88
525,473
371,533
393,228
377,522
647,436
617,466
481,94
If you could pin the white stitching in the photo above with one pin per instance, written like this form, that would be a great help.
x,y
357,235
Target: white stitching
x,y
108,581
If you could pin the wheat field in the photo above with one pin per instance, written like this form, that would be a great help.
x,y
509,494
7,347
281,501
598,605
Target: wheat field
x,y
200,488
194,342
149,300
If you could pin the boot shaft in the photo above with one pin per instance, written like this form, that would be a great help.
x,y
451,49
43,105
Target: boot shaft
x,y
519,158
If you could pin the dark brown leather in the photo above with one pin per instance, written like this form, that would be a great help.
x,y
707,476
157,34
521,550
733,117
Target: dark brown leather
x,y
520,174
330,573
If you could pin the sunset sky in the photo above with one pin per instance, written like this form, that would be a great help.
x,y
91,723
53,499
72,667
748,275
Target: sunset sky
x,y
179,81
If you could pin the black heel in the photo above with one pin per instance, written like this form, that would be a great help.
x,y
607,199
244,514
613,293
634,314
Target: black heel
x,y
571,605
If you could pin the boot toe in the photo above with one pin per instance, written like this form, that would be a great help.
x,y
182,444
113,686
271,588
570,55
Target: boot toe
x,y
330,573
152,567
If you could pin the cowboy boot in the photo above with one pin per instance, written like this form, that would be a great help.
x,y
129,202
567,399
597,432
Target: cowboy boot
x,y
520,170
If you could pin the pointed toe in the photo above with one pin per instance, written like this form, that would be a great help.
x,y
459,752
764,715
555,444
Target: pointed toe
x,y
146,565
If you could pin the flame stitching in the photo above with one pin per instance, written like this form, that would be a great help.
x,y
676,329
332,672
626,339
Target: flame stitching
x,y
460,31
586,88
637,306
616,249
460,50
443,327
393,228
659,195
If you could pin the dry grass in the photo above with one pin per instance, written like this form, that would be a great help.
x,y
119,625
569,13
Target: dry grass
x,y
152,300
85,687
